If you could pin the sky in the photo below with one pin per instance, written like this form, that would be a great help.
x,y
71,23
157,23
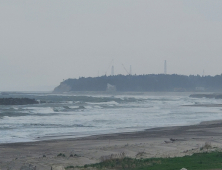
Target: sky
x,y
43,42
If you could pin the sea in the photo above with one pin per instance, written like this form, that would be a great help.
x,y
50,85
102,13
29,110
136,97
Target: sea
x,y
73,115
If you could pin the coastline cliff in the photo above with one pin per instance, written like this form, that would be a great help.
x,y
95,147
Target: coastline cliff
x,y
144,83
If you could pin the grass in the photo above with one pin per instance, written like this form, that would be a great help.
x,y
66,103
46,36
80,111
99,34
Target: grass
x,y
199,161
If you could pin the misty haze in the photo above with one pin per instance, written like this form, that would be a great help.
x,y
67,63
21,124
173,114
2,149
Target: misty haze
x,y
114,84
44,42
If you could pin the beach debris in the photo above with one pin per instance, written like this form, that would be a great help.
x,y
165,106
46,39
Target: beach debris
x,y
28,167
74,155
61,155
206,146
173,140
183,169
140,154
127,144
55,167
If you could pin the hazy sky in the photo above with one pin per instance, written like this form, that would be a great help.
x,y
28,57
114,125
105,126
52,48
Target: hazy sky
x,y
43,42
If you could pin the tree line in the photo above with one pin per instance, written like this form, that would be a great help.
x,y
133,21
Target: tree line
x,y
149,83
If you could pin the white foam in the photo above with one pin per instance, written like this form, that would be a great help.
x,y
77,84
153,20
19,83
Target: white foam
x,y
99,118
104,103
40,110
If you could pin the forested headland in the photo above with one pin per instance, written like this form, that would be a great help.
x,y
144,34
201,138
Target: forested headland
x,y
143,83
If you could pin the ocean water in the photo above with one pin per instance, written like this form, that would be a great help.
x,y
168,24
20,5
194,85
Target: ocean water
x,y
72,115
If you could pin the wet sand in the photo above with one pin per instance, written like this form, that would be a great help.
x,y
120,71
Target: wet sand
x,y
157,142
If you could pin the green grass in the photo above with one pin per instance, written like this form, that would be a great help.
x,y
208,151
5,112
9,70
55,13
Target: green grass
x,y
200,161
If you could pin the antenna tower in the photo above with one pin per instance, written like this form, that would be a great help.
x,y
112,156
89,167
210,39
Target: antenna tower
x,y
165,67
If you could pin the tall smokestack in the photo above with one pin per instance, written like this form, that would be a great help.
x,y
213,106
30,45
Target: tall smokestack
x,y
112,71
165,67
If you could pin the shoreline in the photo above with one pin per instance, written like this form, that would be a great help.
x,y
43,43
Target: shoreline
x,y
89,136
73,137
156,142
118,135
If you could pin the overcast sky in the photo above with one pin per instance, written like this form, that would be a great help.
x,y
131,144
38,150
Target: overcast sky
x,y
43,42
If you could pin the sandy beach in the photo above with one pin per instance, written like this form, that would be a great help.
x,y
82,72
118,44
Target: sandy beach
x,y
157,142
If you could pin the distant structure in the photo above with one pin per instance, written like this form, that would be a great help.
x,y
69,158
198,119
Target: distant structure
x,y
111,63
112,71
165,67
110,88
125,70
130,70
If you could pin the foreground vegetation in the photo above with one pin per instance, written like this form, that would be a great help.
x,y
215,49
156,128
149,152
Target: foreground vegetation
x,y
199,161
